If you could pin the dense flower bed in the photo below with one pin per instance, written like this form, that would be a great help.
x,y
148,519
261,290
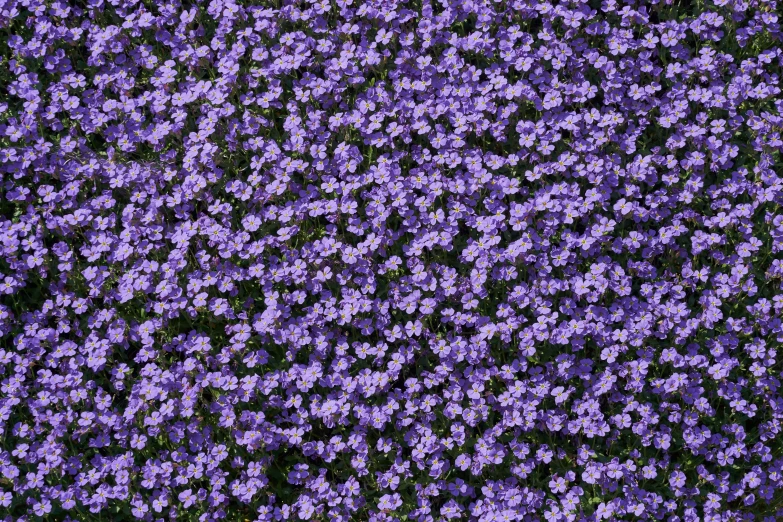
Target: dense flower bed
x,y
391,260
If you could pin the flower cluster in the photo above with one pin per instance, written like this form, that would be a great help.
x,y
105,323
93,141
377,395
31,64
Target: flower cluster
x,y
391,260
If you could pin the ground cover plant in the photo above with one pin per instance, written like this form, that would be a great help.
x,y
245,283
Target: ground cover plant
x,y
386,260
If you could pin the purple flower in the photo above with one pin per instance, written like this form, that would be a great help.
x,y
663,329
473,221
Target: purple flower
x,y
373,260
